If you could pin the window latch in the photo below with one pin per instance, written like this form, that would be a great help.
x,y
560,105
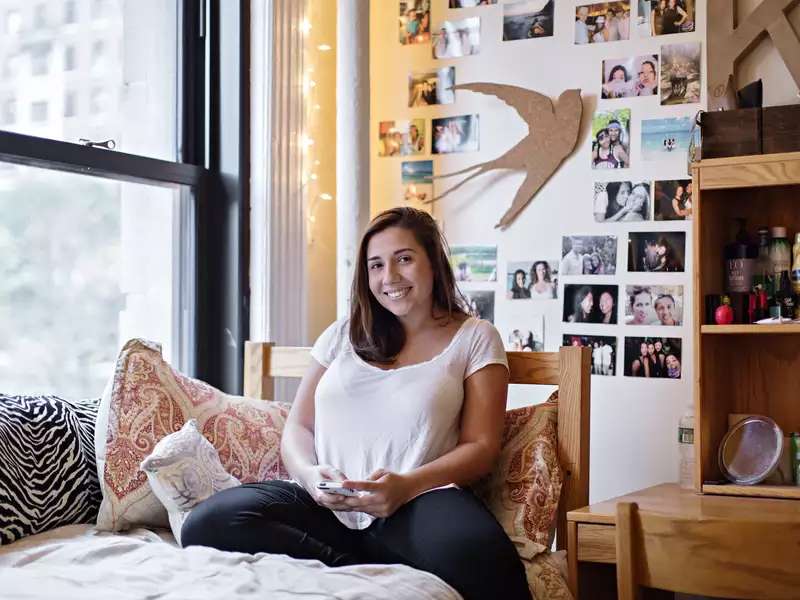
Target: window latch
x,y
107,144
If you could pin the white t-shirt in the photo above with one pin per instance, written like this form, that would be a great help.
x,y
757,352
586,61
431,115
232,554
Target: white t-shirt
x,y
606,354
367,418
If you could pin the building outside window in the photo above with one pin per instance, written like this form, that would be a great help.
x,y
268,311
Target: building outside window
x,y
40,16
70,12
40,58
8,112
70,104
39,111
69,58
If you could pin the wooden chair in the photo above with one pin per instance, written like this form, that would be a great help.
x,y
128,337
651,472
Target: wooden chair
x,y
706,556
569,369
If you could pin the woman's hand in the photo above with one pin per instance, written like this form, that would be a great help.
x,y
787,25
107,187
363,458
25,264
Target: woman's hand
x,y
317,473
387,492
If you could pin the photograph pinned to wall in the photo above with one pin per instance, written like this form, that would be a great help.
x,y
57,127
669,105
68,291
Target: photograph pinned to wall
x,y
602,22
604,351
534,279
401,138
680,73
653,357
527,336
415,21
474,263
417,179
432,87
656,251
611,139
630,77
527,19
673,200
667,139
470,3
454,39
455,134
665,17
654,305
590,303
588,255
616,201
480,303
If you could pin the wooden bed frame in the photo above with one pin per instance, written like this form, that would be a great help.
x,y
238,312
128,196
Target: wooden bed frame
x,y
569,369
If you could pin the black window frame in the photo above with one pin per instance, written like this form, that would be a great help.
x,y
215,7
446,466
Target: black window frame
x,y
213,159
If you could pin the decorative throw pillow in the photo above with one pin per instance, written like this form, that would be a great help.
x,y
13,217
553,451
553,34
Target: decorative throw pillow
x,y
47,471
147,400
523,490
184,469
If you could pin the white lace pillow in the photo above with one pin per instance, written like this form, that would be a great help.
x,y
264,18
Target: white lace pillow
x,y
183,470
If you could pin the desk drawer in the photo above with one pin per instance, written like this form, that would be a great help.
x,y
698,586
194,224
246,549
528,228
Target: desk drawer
x,y
596,543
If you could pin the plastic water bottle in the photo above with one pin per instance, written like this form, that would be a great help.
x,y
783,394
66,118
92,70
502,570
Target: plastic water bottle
x,y
686,449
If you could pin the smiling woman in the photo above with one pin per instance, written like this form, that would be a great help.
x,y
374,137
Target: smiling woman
x,y
403,402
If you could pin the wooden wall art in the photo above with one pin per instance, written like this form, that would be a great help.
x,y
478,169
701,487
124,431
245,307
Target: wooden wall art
x,y
728,42
552,135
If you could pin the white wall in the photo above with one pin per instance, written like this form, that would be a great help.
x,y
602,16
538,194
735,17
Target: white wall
x,y
633,428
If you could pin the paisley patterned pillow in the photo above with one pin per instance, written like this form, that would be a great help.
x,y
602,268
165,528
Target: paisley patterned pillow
x,y
523,490
184,469
147,400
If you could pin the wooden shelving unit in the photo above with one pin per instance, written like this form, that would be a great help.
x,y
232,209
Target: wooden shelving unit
x,y
745,369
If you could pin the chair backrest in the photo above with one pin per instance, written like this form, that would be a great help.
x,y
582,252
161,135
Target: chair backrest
x,y
740,556
569,369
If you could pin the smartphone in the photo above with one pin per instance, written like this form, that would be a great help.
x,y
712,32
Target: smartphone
x,y
336,487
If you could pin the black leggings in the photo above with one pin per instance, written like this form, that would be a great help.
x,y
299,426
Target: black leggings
x,y
446,532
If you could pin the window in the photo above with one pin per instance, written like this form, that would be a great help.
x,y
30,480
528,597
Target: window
x,y
39,111
40,16
70,12
70,104
87,264
8,111
98,245
13,22
40,57
132,56
69,58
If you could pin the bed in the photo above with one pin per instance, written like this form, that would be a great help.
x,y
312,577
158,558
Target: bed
x,y
77,561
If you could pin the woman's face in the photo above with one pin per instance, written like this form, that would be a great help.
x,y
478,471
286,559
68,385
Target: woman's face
x,y
520,279
413,132
651,348
618,75
587,303
641,306
643,349
400,273
587,263
595,261
658,346
541,272
606,303
638,197
623,193
661,249
672,362
603,139
673,4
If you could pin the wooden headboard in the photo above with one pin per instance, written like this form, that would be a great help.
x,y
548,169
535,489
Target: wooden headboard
x,y
569,369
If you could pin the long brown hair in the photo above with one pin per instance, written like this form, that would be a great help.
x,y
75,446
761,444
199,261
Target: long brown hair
x,y
375,333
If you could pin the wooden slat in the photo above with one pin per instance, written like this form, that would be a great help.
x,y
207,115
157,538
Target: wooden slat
x,y
572,558
257,381
289,361
541,368
626,550
783,328
750,171
756,491
573,433
596,543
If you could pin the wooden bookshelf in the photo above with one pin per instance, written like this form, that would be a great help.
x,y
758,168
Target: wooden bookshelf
x,y
743,369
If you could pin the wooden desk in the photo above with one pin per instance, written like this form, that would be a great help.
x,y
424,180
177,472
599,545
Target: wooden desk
x,y
591,530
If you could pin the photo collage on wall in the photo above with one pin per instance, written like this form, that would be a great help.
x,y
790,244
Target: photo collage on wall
x,y
452,35
656,190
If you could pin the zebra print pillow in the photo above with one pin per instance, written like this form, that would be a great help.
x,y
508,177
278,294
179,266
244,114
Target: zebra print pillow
x,y
47,464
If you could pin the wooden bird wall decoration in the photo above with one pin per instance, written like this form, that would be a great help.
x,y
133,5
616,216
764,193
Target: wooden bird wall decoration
x,y
552,135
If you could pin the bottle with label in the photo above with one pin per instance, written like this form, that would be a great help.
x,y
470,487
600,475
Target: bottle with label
x,y
686,449
780,254
740,262
796,263
762,278
785,296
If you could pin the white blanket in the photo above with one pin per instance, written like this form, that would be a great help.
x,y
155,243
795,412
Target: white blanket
x,y
79,563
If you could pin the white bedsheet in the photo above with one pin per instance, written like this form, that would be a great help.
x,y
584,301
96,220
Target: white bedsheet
x,y
77,562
